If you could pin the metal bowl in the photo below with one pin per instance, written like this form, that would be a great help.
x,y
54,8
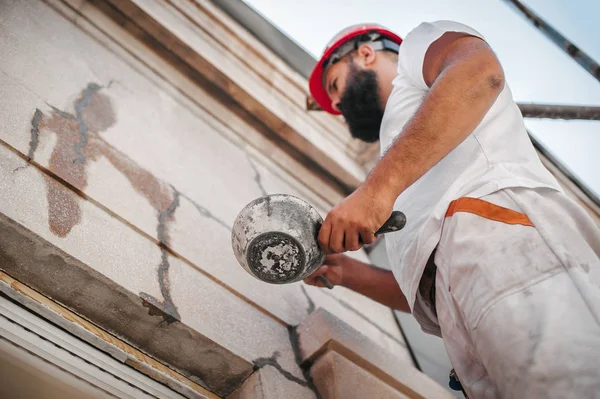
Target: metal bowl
x,y
274,238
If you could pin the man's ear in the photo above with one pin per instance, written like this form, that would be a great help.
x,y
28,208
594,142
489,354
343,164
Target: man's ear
x,y
366,55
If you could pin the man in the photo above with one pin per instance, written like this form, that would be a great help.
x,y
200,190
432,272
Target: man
x,y
495,258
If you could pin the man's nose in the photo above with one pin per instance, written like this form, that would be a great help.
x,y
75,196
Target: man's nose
x,y
335,104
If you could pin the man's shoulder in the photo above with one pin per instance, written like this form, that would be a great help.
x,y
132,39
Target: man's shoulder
x,y
427,29
417,42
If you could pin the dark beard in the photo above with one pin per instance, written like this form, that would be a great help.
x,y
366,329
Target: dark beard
x,y
361,104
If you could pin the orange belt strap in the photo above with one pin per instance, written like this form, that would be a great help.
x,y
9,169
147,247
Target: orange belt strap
x,y
487,210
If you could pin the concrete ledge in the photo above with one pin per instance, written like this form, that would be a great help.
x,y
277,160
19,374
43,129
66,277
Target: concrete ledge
x,y
99,339
32,260
340,378
268,383
322,333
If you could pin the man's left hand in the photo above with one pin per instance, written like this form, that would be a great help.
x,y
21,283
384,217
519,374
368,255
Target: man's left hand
x,y
354,221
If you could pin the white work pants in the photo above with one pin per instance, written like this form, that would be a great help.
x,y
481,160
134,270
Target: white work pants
x,y
518,295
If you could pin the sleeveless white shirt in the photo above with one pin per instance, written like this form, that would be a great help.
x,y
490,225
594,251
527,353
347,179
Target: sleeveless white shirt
x,y
498,154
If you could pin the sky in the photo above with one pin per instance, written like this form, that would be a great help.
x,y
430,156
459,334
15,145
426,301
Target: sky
x,y
535,68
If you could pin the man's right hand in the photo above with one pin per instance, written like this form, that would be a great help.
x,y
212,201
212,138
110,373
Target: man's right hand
x,y
332,269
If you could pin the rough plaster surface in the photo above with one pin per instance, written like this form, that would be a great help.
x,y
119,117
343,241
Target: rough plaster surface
x,y
268,383
205,307
210,309
29,258
149,141
374,313
154,173
99,240
362,318
148,135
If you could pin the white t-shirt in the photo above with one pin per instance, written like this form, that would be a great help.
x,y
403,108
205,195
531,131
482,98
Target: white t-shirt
x,y
498,154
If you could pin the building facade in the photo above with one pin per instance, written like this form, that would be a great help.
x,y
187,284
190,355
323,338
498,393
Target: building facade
x,y
133,132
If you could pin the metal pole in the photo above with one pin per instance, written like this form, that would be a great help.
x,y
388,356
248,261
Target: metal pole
x,y
549,111
567,173
577,54
560,111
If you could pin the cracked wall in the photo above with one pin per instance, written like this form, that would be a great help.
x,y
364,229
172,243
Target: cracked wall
x,y
112,167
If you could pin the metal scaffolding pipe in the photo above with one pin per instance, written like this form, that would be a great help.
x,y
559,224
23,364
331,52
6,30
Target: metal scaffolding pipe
x,y
549,111
566,172
560,111
565,44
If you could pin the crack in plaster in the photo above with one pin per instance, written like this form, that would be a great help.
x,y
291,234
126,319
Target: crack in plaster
x,y
19,168
165,286
79,141
206,213
163,269
164,217
311,305
62,113
35,133
272,361
167,311
260,384
167,307
307,382
257,177
64,211
295,343
82,128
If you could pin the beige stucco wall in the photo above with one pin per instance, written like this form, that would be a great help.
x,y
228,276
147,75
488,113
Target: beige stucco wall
x,y
115,163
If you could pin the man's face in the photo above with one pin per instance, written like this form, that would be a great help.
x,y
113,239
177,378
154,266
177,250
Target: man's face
x,y
354,91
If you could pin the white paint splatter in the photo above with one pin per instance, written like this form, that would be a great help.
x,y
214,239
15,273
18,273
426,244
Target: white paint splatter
x,y
279,259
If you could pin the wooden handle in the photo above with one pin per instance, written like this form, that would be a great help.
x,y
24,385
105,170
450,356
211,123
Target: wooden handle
x,y
396,222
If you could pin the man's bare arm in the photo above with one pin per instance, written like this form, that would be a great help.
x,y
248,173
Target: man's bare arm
x,y
465,79
377,284
370,281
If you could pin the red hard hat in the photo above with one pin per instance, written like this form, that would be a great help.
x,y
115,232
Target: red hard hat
x,y
316,81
